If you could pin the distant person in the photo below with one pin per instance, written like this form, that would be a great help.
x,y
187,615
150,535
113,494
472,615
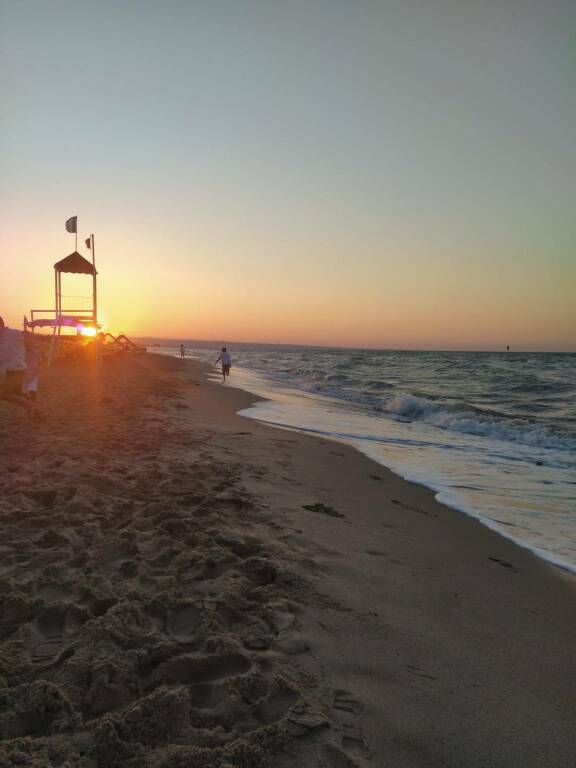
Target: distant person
x,y
182,351
13,369
226,361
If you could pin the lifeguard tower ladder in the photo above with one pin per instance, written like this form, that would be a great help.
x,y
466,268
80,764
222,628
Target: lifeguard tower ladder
x,y
62,316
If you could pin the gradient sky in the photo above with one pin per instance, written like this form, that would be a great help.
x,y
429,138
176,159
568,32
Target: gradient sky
x,y
393,173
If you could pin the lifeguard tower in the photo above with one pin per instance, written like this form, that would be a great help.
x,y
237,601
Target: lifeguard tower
x,y
77,312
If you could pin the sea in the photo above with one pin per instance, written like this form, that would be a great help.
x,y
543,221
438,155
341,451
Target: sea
x,y
493,434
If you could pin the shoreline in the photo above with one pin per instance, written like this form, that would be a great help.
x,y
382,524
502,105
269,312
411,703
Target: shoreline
x,y
269,597
442,494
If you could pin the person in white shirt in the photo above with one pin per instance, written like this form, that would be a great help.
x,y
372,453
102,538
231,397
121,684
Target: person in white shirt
x,y
13,369
226,361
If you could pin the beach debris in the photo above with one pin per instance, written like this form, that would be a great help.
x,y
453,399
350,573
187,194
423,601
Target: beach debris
x,y
413,509
323,509
419,672
504,564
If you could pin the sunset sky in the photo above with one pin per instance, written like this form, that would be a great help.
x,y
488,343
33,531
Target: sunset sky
x,y
387,173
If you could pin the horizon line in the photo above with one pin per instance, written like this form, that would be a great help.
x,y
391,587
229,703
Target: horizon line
x,y
359,348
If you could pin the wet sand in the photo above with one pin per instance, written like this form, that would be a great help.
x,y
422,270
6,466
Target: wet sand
x,y
182,586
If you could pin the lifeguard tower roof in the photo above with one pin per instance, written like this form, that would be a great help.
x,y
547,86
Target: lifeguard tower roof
x,y
75,263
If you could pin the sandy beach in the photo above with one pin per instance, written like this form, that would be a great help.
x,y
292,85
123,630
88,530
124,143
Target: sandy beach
x,y
182,586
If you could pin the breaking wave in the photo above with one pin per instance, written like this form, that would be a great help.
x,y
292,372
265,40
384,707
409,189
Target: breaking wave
x,y
475,423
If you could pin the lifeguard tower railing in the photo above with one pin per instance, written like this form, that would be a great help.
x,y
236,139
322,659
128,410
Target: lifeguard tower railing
x,y
74,316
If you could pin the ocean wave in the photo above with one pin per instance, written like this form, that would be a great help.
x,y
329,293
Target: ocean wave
x,y
337,378
378,386
474,423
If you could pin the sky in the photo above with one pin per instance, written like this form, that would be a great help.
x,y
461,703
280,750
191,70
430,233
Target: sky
x,y
376,173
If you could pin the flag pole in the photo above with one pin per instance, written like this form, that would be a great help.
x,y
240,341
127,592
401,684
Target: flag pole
x,y
95,300
94,284
76,235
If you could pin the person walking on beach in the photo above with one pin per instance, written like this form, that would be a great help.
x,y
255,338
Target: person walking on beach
x,y
226,361
182,351
13,369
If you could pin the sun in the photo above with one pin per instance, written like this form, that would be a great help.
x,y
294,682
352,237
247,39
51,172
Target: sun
x,y
88,331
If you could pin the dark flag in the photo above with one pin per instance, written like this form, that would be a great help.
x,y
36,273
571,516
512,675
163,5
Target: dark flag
x,y
71,224
87,241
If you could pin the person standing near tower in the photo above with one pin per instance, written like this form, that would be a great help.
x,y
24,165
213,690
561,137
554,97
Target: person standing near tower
x,y
14,370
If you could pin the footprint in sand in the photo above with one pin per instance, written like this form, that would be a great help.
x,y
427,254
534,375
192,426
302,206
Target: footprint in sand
x,y
354,743
52,627
280,618
54,592
334,757
179,621
47,637
206,696
51,539
280,699
344,701
118,556
353,746
44,497
244,547
183,623
195,670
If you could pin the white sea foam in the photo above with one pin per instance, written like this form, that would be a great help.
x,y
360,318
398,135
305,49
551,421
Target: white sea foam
x,y
515,430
